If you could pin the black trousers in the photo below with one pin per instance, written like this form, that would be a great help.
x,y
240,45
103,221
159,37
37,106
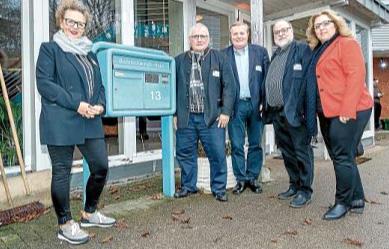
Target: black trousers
x,y
95,153
297,152
341,141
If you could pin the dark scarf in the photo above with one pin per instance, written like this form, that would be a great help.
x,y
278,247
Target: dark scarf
x,y
196,84
316,54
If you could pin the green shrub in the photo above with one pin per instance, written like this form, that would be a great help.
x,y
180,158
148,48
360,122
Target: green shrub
x,y
7,145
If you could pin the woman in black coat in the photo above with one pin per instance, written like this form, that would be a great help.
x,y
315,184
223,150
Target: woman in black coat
x,y
73,100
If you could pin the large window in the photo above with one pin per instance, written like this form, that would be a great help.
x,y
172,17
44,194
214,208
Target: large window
x,y
217,25
104,26
11,63
158,25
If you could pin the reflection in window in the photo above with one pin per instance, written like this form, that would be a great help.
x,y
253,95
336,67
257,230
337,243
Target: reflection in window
x,y
104,26
217,25
11,63
158,25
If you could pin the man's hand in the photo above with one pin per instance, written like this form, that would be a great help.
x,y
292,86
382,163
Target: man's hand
x,y
344,119
223,120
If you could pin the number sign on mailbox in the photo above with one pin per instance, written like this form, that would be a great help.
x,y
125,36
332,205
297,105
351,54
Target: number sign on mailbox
x,y
137,81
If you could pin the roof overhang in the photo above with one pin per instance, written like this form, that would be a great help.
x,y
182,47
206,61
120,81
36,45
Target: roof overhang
x,y
373,11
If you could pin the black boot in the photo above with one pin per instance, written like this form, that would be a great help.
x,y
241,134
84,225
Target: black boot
x,y
336,212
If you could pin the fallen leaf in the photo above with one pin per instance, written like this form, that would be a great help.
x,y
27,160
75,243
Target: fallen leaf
x,y
178,211
186,220
117,197
145,234
76,197
353,242
307,221
121,224
291,232
373,202
92,235
384,193
181,219
156,197
113,190
274,240
227,217
107,239
272,196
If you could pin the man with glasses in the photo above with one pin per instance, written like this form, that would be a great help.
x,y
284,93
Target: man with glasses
x,y
249,64
205,99
288,106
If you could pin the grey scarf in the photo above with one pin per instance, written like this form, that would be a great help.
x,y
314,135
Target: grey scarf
x,y
81,46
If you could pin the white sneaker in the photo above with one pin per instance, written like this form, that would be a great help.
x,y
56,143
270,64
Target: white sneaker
x,y
97,219
72,233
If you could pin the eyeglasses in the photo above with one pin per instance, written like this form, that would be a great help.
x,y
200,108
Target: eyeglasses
x,y
323,24
199,37
73,23
281,31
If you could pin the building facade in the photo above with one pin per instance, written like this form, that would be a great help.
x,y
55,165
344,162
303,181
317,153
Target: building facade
x,y
159,24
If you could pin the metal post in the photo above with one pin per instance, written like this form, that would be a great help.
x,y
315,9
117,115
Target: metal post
x,y
167,156
85,177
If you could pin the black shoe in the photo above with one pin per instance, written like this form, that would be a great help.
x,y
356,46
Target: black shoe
x,y
287,194
239,188
357,206
222,197
300,200
183,193
336,212
254,186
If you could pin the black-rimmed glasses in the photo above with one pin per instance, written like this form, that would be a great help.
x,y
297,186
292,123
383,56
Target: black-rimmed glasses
x,y
323,24
73,23
281,31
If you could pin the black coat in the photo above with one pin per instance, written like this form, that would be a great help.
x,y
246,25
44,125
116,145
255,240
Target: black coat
x,y
299,100
218,82
62,85
258,66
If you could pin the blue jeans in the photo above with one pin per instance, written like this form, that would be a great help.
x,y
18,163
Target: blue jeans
x,y
246,118
213,141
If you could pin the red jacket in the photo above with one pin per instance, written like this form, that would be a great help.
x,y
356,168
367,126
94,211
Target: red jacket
x,y
340,74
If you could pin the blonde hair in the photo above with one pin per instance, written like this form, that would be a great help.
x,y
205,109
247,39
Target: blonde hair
x,y
70,5
240,23
339,22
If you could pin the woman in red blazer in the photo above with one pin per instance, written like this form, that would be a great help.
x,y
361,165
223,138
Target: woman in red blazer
x,y
343,104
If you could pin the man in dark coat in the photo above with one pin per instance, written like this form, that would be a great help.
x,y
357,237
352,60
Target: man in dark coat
x,y
291,108
205,99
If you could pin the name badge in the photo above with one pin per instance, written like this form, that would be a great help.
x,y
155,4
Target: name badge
x,y
297,67
215,73
258,68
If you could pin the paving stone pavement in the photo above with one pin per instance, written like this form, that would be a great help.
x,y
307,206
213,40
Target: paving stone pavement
x,y
246,221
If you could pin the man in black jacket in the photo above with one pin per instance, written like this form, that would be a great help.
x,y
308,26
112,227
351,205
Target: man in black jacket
x,y
249,63
205,99
291,108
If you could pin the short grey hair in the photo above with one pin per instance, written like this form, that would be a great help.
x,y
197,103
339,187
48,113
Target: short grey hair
x,y
198,26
